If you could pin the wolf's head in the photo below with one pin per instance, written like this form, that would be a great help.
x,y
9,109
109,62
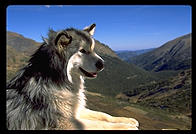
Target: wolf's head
x,y
76,49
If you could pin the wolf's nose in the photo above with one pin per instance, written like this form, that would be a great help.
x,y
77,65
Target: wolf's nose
x,y
99,64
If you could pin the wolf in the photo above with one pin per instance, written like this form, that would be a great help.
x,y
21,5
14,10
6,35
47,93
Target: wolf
x,y
49,93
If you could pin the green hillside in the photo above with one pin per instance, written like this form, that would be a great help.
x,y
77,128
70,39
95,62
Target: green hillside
x,y
173,95
117,75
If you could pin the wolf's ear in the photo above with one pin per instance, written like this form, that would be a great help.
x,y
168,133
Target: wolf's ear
x,y
45,40
63,39
90,29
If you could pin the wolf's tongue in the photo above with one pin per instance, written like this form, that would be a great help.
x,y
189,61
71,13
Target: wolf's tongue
x,y
88,74
94,74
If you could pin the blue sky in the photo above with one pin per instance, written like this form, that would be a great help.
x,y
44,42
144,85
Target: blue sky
x,y
121,27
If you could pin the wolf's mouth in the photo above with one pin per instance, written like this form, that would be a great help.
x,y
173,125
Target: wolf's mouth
x,y
88,74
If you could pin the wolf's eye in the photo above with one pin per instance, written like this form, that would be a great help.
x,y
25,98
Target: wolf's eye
x,y
83,51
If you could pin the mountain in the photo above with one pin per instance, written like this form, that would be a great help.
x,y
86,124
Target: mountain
x,y
173,55
173,95
117,76
18,49
21,43
126,55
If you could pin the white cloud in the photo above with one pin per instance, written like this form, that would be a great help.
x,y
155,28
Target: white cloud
x,y
48,6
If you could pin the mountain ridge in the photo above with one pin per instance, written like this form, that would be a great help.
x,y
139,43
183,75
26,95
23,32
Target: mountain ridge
x,y
21,43
126,55
173,55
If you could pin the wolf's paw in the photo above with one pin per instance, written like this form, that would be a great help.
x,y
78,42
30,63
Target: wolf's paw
x,y
133,122
122,126
125,120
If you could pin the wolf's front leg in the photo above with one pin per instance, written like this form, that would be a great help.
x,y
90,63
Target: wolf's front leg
x,y
107,119
103,125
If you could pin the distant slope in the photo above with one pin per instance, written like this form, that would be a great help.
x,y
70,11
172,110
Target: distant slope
x,y
117,76
20,43
18,50
173,95
15,60
173,55
127,55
